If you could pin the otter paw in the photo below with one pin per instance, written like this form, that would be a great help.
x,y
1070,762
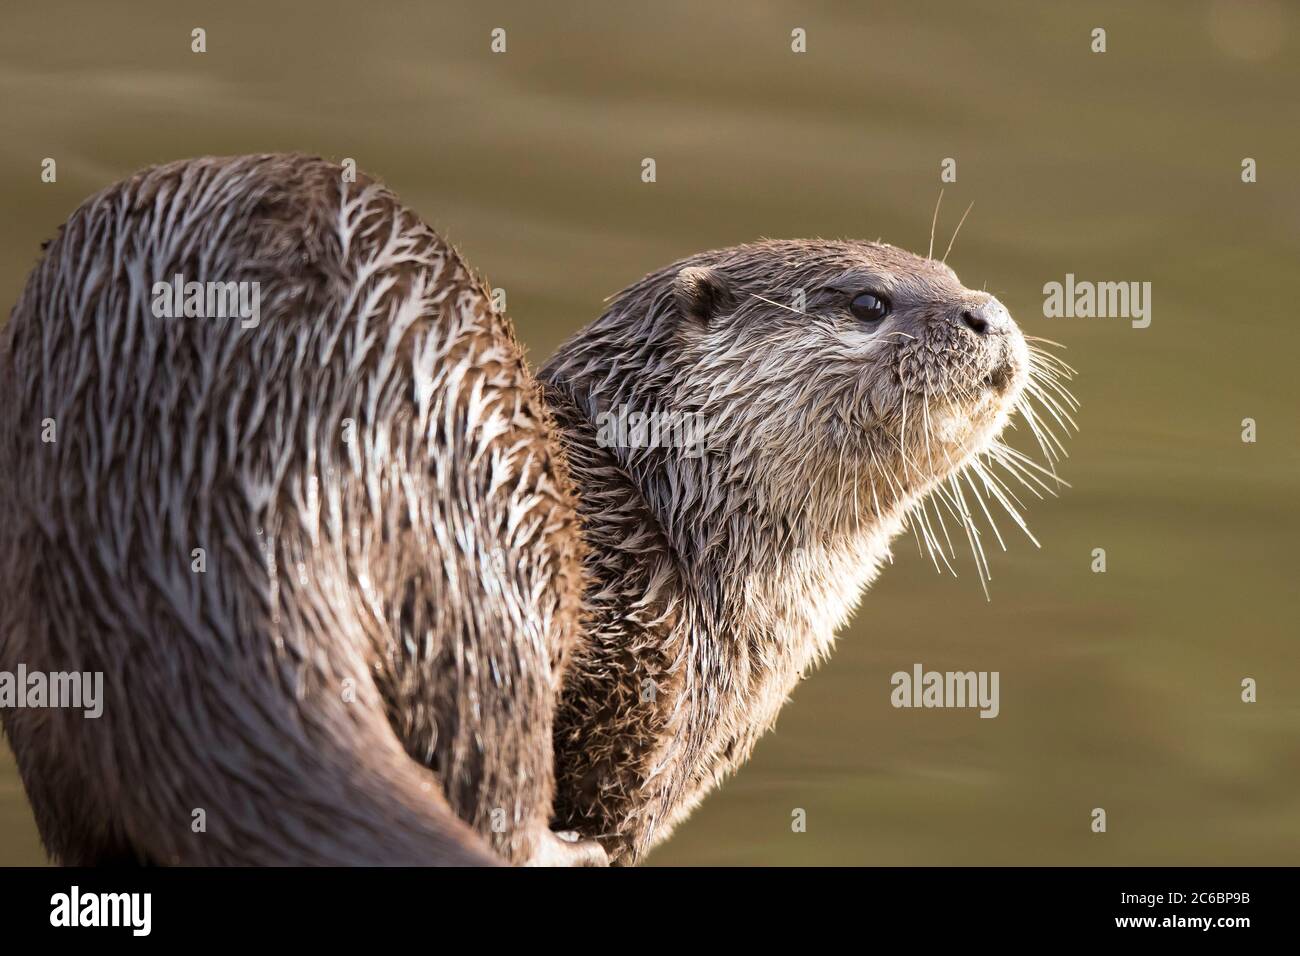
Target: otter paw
x,y
566,848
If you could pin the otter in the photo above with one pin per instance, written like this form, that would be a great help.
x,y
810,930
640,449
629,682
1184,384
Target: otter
x,y
438,617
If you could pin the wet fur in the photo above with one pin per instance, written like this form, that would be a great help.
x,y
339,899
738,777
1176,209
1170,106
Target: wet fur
x,y
437,562
381,629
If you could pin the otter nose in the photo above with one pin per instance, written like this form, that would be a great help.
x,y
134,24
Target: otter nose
x,y
989,317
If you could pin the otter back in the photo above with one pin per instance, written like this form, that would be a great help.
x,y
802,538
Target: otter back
x,y
271,464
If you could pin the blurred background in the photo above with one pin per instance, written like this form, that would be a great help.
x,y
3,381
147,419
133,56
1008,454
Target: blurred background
x,y
1118,690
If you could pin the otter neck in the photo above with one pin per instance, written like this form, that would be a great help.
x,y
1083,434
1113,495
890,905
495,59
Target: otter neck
x,y
733,603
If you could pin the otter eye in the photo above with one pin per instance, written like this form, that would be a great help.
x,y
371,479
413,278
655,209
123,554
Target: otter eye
x,y
869,307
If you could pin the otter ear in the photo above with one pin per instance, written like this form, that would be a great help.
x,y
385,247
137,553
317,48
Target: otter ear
x,y
702,293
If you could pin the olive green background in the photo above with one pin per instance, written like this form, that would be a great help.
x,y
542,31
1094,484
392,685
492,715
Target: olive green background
x,y
1118,690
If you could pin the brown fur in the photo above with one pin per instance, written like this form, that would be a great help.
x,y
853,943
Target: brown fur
x,y
408,594
370,668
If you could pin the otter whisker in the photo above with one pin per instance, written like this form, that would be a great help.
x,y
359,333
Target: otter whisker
x,y
931,538
1030,481
925,429
902,437
1039,338
973,537
1049,357
993,476
957,230
940,497
788,308
1055,384
951,498
991,485
911,525
961,513
934,221
1045,368
1053,408
1056,387
1051,362
1043,435
1021,460
1036,346
908,515
909,461
1056,378
1048,382
966,473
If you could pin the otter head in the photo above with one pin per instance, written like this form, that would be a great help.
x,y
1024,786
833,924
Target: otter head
x,y
747,430
835,385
